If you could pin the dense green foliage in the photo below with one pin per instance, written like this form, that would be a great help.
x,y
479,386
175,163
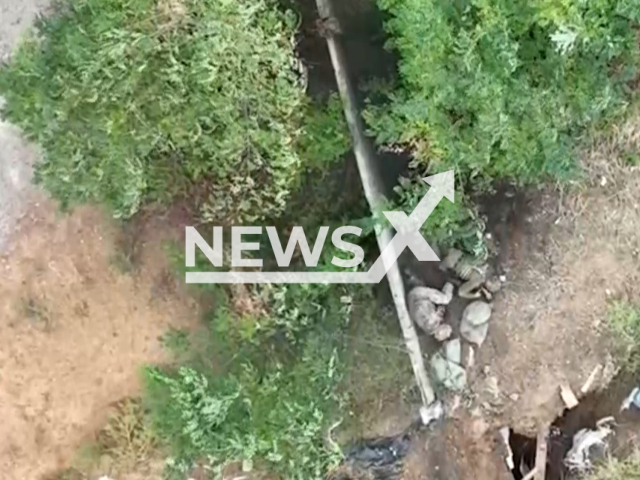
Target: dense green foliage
x,y
325,136
504,88
262,389
141,100
450,225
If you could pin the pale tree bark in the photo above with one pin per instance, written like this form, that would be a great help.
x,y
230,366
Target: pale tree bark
x,y
374,192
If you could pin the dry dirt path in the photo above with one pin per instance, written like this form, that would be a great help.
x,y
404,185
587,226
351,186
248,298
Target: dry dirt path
x,y
74,329
571,255
74,334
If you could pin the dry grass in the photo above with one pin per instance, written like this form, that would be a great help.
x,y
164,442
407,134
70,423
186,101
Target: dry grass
x,y
246,303
607,198
66,474
609,205
379,380
614,469
37,312
127,437
171,14
124,448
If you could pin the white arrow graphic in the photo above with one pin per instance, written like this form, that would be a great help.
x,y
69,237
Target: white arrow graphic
x,y
408,227
408,235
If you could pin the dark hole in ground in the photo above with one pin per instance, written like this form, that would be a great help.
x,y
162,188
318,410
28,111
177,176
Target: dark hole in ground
x,y
524,448
505,210
524,453
363,39
591,409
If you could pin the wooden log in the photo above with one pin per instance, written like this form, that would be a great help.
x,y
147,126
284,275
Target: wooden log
x,y
541,454
374,192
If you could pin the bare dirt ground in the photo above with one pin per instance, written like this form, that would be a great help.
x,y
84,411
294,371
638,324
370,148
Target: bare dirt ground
x,y
570,253
75,331
572,256
462,448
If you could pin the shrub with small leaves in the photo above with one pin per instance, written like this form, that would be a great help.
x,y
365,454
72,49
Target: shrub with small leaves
x,y
504,88
451,224
326,136
269,398
142,100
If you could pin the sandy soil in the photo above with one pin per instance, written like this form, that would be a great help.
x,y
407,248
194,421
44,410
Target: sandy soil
x,y
74,328
570,253
572,256
75,331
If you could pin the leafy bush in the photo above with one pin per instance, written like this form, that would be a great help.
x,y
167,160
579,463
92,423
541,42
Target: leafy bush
x,y
451,224
141,100
326,136
504,88
269,396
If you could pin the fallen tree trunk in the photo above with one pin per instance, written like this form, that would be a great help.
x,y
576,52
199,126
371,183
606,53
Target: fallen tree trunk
x,y
373,189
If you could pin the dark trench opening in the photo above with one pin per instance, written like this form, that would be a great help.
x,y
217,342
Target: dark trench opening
x,y
524,453
363,39
588,414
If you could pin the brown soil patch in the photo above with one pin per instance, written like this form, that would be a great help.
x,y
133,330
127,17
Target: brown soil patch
x,y
569,254
460,449
573,255
74,332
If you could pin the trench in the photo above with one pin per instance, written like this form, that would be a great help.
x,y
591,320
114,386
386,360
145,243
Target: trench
x,y
369,175
363,38
586,415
